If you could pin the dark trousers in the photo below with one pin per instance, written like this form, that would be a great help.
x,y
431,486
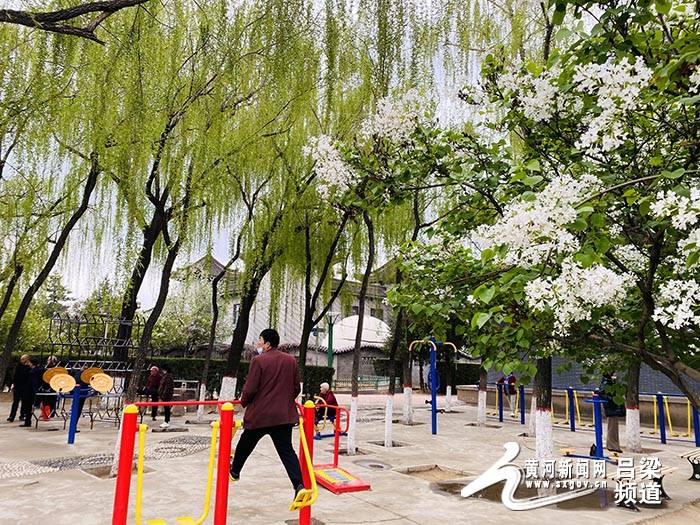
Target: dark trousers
x,y
27,409
16,398
282,439
166,409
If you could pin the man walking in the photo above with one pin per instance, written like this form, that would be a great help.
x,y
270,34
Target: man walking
x,y
268,396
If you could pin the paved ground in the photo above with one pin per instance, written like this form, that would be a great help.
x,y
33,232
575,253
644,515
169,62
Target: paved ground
x,y
42,479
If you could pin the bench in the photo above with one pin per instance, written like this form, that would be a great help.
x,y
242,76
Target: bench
x,y
694,458
637,476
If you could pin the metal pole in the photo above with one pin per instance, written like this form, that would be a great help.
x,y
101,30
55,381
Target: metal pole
x,y
662,417
309,416
522,404
572,415
222,469
74,408
126,458
696,426
336,438
499,388
330,342
433,388
598,421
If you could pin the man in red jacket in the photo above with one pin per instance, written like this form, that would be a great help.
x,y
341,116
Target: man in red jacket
x,y
268,396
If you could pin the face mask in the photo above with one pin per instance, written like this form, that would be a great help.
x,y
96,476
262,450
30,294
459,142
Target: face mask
x,y
259,350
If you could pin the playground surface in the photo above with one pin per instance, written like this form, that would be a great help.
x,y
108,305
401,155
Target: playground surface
x,y
44,480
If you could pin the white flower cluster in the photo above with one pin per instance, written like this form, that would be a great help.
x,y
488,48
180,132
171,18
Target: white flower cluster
x,y
534,229
617,87
631,257
576,292
695,81
684,212
397,117
334,175
536,95
677,303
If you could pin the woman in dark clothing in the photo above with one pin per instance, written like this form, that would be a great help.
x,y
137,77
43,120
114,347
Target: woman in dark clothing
x,y
165,393
20,381
49,398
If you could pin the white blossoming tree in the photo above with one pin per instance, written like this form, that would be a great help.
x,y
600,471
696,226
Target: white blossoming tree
x,y
580,233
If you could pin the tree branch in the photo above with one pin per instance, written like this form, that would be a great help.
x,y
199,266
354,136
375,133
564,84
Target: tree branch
x,y
56,21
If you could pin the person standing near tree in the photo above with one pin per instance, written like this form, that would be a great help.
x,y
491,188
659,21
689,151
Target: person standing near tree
x,y
268,396
510,382
613,412
33,383
20,381
151,389
166,389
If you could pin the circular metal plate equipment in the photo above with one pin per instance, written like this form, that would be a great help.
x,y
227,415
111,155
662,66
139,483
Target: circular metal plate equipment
x,y
102,382
87,374
62,383
52,372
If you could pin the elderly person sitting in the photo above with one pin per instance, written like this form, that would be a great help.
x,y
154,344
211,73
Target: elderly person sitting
x,y
326,397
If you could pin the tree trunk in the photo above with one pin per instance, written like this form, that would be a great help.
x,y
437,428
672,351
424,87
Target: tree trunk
x,y
358,334
16,274
13,333
393,349
634,436
544,439
481,397
129,300
150,324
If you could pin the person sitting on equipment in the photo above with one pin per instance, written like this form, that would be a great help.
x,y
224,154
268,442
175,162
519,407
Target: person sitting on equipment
x,y
326,397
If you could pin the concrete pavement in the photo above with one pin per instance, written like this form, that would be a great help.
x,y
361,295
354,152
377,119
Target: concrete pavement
x,y
44,480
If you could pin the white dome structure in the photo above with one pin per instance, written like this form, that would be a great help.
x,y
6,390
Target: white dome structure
x,y
374,332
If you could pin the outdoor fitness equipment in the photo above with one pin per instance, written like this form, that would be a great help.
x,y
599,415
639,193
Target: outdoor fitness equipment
x,y
330,475
596,451
62,382
432,378
226,428
318,436
181,520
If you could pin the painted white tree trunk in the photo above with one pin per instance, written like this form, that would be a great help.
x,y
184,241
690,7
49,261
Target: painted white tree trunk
x,y
389,416
408,405
544,437
228,389
634,435
202,397
481,408
448,399
352,442
532,428
301,391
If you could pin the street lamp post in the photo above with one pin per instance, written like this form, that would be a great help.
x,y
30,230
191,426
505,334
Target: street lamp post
x,y
330,318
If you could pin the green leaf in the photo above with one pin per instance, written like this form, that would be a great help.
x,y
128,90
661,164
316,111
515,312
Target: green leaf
x,y
485,293
644,206
673,174
480,319
585,210
487,254
532,181
662,6
533,165
692,259
602,244
559,13
656,161
579,225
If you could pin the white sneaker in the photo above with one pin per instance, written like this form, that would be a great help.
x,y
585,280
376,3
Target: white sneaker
x,y
164,425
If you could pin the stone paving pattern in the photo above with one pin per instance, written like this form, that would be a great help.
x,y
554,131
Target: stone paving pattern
x,y
174,486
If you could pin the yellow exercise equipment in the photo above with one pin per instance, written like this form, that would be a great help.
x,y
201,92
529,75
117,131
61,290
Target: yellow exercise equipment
x,y
87,374
62,383
325,415
101,382
180,520
305,497
48,375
